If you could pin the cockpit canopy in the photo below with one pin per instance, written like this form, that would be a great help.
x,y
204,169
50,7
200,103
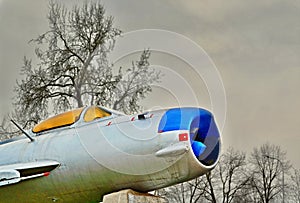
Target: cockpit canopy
x,y
70,117
94,112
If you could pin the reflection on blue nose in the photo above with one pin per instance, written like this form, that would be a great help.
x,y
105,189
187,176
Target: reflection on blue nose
x,y
198,148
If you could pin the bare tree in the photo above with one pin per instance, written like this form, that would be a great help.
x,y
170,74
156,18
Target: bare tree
x,y
134,85
246,194
268,163
174,193
188,192
225,183
228,179
5,128
65,73
73,69
295,186
233,174
210,191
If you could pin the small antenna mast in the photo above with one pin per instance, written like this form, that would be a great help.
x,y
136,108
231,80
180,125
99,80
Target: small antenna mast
x,y
23,131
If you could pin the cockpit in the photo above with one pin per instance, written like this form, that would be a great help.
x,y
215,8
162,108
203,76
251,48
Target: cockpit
x,y
69,118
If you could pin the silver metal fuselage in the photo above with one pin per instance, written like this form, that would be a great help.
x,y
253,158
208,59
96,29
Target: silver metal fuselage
x,y
102,156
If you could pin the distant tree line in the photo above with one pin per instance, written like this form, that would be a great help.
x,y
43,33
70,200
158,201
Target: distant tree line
x,y
237,178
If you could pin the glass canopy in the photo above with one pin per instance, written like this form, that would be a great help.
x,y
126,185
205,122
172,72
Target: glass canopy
x,y
70,117
60,120
94,113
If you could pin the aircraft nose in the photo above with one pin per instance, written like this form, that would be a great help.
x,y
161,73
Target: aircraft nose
x,y
203,132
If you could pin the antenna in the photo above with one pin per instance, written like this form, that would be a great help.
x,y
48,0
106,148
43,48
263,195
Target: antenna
x,y
23,131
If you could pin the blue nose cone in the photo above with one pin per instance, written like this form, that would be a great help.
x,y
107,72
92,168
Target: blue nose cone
x,y
203,132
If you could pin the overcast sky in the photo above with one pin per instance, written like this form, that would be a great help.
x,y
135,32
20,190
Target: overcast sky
x,y
255,46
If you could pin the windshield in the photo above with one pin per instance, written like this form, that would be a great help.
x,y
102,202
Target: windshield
x,y
60,120
95,112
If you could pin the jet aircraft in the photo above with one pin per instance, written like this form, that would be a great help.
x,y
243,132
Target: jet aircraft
x,y
83,154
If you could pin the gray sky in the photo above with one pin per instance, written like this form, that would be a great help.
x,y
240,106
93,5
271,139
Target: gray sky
x,y
254,44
